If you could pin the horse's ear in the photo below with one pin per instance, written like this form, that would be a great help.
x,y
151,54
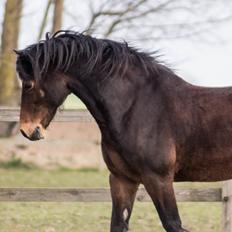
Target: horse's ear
x,y
17,52
23,62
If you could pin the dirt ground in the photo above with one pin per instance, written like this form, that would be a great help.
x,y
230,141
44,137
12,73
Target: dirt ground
x,y
71,145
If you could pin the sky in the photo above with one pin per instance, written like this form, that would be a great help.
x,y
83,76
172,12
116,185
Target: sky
x,y
204,63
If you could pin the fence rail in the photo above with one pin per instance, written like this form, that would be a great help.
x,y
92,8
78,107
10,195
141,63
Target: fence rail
x,y
78,115
99,195
223,194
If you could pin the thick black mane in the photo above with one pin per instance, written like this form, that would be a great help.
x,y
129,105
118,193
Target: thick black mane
x,y
66,48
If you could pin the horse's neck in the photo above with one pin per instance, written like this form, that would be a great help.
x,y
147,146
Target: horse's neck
x,y
87,95
106,100
110,100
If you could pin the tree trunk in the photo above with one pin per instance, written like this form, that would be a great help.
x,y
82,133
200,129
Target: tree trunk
x,y
58,13
9,88
44,21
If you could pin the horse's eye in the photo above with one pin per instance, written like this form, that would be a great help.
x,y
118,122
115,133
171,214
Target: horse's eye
x,y
28,85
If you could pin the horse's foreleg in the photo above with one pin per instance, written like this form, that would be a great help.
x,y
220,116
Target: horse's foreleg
x,y
161,191
123,194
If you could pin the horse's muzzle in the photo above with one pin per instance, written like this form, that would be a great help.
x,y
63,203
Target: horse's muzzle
x,y
32,134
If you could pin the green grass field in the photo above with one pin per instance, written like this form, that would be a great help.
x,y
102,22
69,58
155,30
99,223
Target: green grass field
x,y
90,217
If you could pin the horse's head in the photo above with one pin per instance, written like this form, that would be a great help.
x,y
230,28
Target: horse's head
x,y
40,98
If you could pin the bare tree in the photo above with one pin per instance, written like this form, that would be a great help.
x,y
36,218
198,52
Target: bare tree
x,y
156,20
9,39
58,13
57,16
44,20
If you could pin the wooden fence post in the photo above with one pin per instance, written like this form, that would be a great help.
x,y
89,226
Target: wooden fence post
x,y
227,206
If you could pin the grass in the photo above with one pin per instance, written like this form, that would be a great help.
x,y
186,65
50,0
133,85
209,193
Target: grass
x,y
93,217
63,177
79,217
15,162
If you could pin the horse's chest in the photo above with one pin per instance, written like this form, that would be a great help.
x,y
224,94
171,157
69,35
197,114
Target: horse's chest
x,y
117,164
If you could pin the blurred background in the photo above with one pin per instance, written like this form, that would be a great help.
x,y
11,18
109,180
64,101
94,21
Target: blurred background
x,y
194,37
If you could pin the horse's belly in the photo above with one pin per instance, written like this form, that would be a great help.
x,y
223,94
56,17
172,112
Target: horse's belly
x,y
204,174
215,166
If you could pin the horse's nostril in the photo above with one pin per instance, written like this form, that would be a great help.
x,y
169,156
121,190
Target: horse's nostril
x,y
36,134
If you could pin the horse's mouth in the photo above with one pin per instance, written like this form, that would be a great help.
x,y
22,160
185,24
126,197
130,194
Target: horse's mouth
x,y
33,135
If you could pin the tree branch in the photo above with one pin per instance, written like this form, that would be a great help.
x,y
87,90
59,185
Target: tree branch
x,y
130,7
44,21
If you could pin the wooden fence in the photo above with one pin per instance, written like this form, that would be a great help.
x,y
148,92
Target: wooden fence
x,y
223,194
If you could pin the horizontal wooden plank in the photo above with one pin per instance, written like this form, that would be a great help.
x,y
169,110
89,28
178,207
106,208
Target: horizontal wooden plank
x,y
12,115
98,195
199,195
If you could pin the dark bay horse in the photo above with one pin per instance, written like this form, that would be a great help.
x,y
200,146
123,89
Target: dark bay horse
x,y
155,127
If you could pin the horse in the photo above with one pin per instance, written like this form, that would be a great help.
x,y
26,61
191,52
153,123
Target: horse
x,y
155,127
